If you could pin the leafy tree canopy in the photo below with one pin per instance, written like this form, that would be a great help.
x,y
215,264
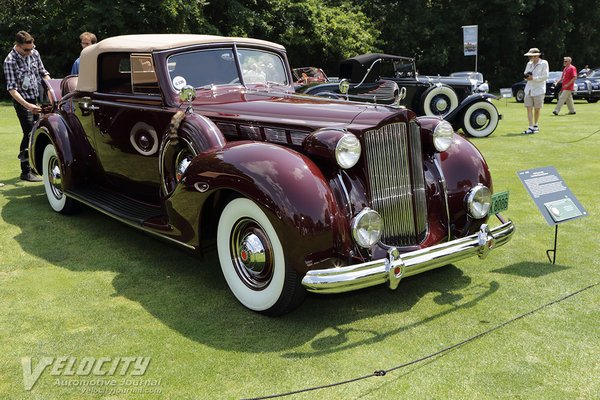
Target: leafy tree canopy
x,y
323,32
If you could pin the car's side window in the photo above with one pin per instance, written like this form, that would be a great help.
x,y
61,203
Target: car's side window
x,y
404,70
143,75
114,73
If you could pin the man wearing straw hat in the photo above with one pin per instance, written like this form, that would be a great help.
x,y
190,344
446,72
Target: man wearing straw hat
x,y
536,74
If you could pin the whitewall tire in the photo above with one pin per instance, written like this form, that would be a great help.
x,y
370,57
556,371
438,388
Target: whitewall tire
x,y
52,177
439,100
480,119
253,261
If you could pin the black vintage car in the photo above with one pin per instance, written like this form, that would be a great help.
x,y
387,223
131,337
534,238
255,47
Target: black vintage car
x,y
368,76
552,89
588,87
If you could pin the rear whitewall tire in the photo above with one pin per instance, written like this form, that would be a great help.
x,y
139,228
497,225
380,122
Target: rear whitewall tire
x,y
440,93
52,177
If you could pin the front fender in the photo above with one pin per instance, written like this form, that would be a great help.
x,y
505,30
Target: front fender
x,y
454,116
287,185
463,167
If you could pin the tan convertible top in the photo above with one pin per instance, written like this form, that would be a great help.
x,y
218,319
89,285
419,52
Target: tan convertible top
x,y
144,44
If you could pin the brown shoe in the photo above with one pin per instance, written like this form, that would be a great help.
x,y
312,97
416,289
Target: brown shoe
x,y
30,177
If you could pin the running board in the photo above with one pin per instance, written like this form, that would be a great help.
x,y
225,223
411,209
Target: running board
x,y
115,204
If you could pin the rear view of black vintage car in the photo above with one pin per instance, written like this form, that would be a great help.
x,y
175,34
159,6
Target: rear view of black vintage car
x,y
390,79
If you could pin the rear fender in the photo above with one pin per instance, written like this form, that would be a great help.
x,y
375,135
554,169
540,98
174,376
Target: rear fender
x,y
287,185
73,150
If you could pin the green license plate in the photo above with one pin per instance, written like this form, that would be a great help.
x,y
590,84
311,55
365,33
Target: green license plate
x,y
499,202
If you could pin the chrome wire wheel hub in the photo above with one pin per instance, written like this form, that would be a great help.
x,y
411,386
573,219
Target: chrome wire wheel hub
x,y
480,119
440,105
55,178
251,254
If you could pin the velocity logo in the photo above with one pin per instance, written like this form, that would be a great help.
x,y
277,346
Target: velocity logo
x,y
72,366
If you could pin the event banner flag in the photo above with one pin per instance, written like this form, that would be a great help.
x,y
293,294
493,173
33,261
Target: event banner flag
x,y
470,39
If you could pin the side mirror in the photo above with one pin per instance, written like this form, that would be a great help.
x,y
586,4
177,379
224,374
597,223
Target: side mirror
x,y
187,94
344,86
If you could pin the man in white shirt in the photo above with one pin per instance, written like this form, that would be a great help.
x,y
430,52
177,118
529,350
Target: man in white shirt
x,y
536,75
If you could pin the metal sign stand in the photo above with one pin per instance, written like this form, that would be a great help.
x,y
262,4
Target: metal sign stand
x,y
553,198
553,251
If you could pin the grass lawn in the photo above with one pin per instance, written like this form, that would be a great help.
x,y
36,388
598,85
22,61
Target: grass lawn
x,y
86,286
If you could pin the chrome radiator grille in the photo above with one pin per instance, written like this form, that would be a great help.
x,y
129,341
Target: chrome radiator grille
x,y
397,184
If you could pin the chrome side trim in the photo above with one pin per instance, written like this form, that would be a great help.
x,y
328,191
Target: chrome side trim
x,y
397,266
445,193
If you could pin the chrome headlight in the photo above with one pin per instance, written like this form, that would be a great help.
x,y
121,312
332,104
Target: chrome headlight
x,y
347,151
443,136
367,227
479,200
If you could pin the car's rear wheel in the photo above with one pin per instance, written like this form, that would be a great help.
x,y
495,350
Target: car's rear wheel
x,y
480,119
253,261
439,100
520,95
52,177
592,100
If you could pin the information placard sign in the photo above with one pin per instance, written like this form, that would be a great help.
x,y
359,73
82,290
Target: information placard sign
x,y
506,93
551,195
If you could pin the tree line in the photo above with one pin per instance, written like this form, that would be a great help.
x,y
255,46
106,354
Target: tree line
x,y
324,32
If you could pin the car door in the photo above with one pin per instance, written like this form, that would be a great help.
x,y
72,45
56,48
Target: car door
x,y
127,124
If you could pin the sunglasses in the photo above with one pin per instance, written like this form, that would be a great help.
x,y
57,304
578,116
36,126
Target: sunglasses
x,y
29,49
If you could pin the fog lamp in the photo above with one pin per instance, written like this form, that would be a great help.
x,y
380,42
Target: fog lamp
x,y
367,227
479,200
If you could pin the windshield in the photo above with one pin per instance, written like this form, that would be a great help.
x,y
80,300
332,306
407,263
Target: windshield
x,y
204,68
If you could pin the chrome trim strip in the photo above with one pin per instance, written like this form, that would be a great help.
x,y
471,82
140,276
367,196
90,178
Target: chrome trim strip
x,y
396,266
445,192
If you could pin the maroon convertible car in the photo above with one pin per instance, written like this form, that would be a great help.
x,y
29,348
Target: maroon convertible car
x,y
200,140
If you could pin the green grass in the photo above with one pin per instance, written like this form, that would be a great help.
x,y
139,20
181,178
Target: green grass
x,y
88,286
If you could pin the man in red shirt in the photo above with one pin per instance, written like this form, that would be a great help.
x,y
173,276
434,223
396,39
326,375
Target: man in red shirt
x,y
568,77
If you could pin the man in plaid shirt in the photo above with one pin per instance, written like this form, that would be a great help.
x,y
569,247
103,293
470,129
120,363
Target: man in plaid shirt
x,y
24,71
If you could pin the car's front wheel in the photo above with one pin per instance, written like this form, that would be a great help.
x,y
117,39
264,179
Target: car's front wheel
x,y
480,119
52,176
592,100
253,261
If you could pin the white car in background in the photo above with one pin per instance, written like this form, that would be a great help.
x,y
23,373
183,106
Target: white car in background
x,y
479,84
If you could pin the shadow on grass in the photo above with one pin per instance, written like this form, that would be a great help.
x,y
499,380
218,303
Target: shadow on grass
x,y
530,269
189,294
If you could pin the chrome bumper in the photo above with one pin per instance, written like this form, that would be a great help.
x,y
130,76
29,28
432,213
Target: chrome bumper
x,y
396,265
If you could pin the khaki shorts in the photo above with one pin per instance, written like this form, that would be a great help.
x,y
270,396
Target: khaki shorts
x,y
534,101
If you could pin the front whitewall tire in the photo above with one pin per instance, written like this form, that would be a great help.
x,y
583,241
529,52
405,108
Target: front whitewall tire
x,y
480,119
271,292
